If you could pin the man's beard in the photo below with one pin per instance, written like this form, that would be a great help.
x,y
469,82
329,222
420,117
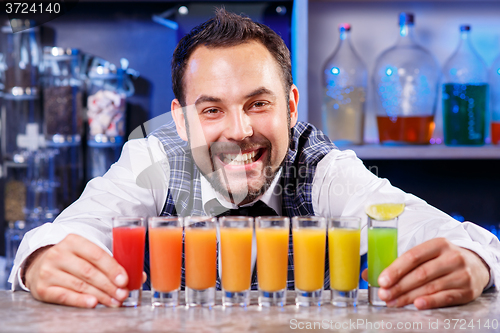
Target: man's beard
x,y
218,177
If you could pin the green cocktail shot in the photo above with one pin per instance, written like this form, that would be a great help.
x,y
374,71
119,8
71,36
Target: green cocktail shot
x,y
382,243
382,251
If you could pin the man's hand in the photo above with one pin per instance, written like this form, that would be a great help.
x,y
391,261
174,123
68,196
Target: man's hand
x,y
76,272
433,274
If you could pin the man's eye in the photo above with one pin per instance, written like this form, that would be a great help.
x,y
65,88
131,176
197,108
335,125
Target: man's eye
x,y
211,111
259,104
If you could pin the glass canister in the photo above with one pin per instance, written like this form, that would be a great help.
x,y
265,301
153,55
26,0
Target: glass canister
x,y
63,115
30,196
465,94
21,117
406,82
494,82
106,105
345,80
62,94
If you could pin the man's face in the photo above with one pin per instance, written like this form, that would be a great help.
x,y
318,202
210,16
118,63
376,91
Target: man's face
x,y
237,117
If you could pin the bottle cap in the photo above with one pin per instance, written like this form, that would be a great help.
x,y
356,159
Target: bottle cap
x,y
465,27
406,18
344,27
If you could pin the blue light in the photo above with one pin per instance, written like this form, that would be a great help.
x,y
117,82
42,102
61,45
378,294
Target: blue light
x,y
498,71
453,71
388,71
335,106
335,70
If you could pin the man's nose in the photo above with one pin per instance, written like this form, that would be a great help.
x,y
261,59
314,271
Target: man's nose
x,y
239,126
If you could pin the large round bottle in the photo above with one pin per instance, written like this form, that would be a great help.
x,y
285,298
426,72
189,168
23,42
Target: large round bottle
x,y
406,83
345,80
465,94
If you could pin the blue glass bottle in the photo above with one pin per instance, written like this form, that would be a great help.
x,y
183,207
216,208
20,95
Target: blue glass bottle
x,y
406,82
465,94
345,80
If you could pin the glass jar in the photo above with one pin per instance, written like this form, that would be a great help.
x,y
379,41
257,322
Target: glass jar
x,y
63,113
494,81
22,120
345,80
465,94
62,94
406,82
109,86
30,188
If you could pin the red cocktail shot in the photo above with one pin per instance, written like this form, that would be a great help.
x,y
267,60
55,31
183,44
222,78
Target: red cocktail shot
x,y
128,249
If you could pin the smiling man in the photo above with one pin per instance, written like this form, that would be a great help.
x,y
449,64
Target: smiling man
x,y
241,112
236,147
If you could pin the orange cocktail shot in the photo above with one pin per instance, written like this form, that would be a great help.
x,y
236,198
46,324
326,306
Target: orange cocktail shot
x,y
309,245
165,256
272,259
236,258
200,252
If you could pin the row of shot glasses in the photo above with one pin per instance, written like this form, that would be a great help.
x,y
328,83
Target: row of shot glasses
x,y
236,241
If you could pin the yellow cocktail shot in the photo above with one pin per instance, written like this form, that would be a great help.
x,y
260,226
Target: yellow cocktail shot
x,y
344,243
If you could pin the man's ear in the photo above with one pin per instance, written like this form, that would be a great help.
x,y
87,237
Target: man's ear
x,y
180,120
294,102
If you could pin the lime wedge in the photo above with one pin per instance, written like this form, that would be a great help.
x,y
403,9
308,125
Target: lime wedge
x,y
385,211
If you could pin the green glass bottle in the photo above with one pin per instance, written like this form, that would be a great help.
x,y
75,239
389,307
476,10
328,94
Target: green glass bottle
x,y
465,95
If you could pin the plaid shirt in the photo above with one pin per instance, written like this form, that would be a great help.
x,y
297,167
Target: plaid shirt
x,y
307,148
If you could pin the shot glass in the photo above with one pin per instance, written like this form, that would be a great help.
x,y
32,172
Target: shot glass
x,y
343,242
236,234
309,244
165,257
272,259
382,251
129,234
200,251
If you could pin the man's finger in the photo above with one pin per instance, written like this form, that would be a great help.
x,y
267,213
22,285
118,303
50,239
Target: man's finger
x,y
410,260
364,274
70,282
447,282
442,299
67,297
418,277
89,274
92,253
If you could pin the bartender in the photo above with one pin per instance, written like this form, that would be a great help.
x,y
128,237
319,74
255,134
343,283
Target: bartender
x,y
236,142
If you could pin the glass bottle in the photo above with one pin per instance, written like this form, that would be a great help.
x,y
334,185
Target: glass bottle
x,y
494,82
406,83
345,80
465,94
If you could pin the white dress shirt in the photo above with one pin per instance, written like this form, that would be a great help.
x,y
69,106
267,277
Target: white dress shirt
x,y
341,186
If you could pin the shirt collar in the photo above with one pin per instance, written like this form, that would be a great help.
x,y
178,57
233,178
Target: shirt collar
x,y
211,197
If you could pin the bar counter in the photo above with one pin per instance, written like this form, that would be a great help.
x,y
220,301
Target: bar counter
x,y
20,312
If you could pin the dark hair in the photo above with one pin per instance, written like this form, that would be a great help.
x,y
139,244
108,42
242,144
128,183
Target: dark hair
x,y
224,30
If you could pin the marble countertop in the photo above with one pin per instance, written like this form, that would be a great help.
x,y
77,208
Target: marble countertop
x,y
19,312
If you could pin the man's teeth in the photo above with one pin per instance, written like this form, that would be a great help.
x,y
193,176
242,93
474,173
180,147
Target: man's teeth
x,y
240,159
